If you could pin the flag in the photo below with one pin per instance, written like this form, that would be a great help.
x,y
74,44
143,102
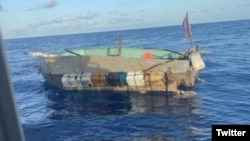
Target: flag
x,y
187,27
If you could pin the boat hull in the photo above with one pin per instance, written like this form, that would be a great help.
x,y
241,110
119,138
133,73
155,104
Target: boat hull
x,y
67,72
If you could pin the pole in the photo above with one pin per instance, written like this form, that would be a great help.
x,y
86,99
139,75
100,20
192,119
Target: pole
x,y
191,41
10,128
120,46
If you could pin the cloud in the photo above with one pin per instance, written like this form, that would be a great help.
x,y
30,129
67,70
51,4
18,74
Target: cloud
x,y
247,5
88,15
123,18
142,18
60,20
38,25
46,4
65,18
49,4
118,17
89,18
124,14
2,8
57,25
206,10
120,20
92,23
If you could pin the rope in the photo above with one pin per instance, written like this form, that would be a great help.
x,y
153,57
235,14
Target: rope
x,y
166,81
73,52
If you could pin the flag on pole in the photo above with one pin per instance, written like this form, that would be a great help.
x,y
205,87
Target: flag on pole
x,y
187,27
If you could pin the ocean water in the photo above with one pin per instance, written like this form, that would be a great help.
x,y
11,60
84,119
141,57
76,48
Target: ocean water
x,y
223,94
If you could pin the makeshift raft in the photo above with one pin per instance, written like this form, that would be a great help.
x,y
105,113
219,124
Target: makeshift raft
x,y
121,69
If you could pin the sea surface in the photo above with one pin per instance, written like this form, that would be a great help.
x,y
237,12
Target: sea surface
x,y
223,92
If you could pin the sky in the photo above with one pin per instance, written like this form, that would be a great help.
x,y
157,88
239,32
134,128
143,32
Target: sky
x,y
32,18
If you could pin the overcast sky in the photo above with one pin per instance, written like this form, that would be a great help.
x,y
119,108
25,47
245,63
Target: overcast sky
x,y
29,18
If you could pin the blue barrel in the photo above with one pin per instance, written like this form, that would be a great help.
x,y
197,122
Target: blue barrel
x,y
116,78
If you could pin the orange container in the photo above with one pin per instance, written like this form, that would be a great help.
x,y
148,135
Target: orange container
x,y
98,79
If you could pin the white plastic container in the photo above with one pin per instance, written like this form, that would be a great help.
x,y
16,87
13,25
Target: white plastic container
x,y
65,80
86,79
72,80
135,78
78,80
197,61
